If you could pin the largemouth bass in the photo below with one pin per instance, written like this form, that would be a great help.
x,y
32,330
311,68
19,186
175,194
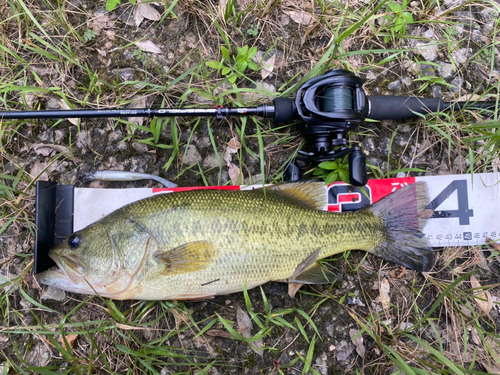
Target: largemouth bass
x,y
202,243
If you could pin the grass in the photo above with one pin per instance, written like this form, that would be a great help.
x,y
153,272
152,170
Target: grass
x,y
441,322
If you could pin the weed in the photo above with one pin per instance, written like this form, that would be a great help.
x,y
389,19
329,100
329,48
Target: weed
x,y
89,35
331,171
235,67
112,4
50,50
253,30
396,20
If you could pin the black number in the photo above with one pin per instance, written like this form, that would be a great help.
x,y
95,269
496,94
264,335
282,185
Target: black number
x,y
448,236
463,213
477,235
439,237
429,237
458,236
493,234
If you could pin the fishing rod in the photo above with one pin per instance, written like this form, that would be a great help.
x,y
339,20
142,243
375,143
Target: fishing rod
x,y
330,106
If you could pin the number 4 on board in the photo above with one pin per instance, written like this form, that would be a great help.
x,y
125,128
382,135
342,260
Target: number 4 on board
x,y
463,213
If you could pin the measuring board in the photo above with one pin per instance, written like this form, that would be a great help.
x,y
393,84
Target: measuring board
x,y
466,207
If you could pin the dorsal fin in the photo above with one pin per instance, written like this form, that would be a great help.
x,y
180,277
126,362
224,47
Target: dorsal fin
x,y
310,194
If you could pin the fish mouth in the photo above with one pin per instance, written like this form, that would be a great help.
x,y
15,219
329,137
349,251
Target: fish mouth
x,y
55,276
58,277
58,273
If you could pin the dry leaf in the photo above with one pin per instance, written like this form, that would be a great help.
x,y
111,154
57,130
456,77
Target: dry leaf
x,y
148,46
138,18
101,22
232,148
493,244
101,52
469,98
227,156
357,340
44,71
218,333
148,12
234,144
37,168
51,150
267,67
483,297
70,340
65,106
490,367
44,150
384,298
145,11
245,327
127,327
491,362
138,102
180,316
234,174
344,350
222,8
300,4
301,18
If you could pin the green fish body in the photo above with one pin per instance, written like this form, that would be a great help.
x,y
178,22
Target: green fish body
x,y
201,243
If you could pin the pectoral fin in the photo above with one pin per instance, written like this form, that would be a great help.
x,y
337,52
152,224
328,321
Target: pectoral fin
x,y
189,257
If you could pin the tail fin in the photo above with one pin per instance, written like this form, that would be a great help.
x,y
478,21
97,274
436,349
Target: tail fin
x,y
405,244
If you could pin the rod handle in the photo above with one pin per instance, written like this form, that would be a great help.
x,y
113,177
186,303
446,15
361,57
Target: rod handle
x,y
389,107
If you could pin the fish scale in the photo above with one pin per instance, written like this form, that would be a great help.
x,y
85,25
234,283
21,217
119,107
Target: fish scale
x,y
202,243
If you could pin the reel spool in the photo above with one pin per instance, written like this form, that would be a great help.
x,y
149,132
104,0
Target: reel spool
x,y
330,106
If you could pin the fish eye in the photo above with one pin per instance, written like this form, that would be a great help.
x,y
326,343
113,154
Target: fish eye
x,y
74,241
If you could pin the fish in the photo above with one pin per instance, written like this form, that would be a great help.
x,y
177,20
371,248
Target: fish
x,y
197,244
126,176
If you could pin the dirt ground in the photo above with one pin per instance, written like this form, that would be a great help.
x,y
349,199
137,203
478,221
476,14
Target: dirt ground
x,y
88,57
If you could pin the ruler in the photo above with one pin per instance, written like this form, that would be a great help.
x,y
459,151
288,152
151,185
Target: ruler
x,y
466,207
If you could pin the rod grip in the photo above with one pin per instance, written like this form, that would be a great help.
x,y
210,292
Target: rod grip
x,y
389,107
284,109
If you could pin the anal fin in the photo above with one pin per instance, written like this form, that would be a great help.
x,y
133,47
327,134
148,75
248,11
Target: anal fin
x,y
316,274
309,271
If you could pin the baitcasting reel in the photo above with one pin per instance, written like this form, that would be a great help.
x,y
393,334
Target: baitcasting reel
x,y
330,106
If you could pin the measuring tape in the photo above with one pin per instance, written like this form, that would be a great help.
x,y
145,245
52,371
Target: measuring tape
x,y
466,207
